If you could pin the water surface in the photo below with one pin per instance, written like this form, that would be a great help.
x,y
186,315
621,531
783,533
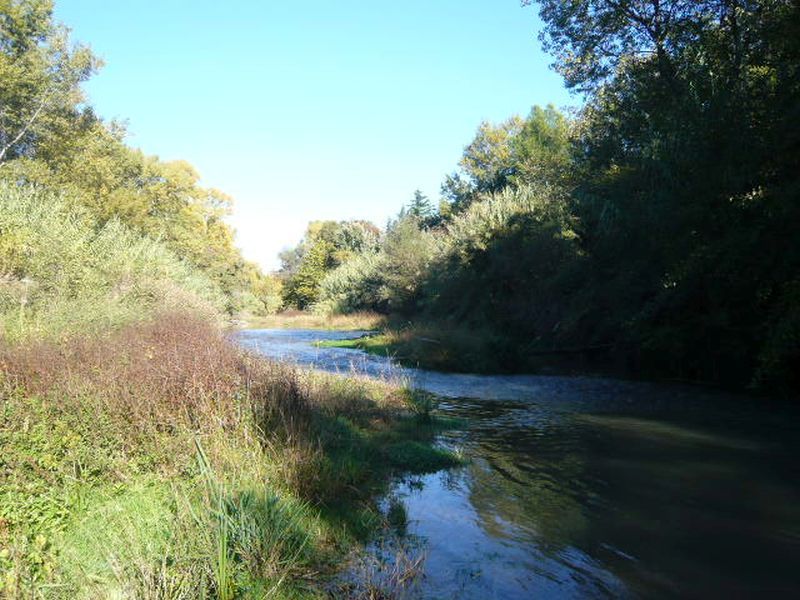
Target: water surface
x,y
589,487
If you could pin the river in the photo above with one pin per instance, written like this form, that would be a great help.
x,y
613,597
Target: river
x,y
579,487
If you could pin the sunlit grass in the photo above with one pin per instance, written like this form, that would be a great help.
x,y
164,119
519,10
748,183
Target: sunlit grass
x,y
307,320
162,461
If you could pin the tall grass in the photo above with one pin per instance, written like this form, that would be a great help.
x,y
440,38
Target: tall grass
x,y
295,319
161,461
143,454
61,273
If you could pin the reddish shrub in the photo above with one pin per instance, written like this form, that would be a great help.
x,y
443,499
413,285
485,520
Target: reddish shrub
x,y
173,369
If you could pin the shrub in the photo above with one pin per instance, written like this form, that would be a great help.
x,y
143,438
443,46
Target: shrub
x,y
161,460
60,273
353,286
407,254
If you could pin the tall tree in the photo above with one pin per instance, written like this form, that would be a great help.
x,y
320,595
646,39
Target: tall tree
x,y
40,76
420,207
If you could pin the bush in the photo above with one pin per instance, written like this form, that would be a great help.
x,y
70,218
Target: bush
x,y
506,265
60,273
354,286
161,460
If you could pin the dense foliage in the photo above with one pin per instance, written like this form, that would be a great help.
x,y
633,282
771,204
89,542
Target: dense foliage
x,y
658,224
143,453
325,246
62,274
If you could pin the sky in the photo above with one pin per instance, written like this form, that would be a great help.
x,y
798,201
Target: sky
x,y
316,109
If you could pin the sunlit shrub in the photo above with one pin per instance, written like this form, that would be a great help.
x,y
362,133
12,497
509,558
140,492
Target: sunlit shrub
x,y
60,272
353,286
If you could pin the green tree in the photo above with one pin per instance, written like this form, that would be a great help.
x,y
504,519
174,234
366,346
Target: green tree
x,y
407,253
325,246
687,171
40,77
542,150
489,160
421,209
302,290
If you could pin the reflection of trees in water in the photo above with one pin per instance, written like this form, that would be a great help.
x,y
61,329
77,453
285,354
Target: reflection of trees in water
x,y
657,506
523,490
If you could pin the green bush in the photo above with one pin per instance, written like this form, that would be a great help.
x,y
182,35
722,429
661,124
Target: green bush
x,y
353,286
61,272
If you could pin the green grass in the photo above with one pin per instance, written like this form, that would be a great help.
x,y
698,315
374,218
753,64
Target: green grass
x,y
258,487
380,344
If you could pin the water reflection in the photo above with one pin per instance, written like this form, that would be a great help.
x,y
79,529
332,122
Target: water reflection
x,y
580,487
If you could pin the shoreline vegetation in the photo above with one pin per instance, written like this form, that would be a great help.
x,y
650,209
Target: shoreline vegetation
x,y
439,347
144,455
649,231
297,319
161,460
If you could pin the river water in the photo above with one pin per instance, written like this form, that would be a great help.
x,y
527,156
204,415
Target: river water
x,y
579,487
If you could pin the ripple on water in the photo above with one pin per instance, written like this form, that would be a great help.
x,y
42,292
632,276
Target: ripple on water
x,y
587,487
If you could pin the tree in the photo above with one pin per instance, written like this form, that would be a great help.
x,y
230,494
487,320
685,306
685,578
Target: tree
x,y
325,246
489,159
302,290
542,150
421,208
593,39
407,252
686,171
40,77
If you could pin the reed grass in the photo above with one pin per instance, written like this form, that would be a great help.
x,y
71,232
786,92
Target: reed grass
x,y
295,319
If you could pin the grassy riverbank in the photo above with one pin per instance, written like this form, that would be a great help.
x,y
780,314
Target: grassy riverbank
x,y
438,347
445,347
296,319
162,461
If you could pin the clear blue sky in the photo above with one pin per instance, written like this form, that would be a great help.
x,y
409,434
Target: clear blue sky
x,y
312,110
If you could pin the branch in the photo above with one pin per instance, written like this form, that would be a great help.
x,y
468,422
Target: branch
x,y
25,127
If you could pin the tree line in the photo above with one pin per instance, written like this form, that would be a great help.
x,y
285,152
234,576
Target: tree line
x,y
658,222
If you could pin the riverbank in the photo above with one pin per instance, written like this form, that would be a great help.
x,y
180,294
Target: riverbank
x,y
163,460
591,487
447,348
296,319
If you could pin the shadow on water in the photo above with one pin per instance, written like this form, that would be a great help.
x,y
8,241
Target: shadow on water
x,y
582,487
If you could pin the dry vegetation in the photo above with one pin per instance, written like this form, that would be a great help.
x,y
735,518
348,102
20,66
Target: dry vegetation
x,y
162,461
297,319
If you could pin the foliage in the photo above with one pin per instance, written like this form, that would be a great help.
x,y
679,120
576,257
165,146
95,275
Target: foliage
x,y
40,74
407,252
162,461
325,246
653,229
421,209
50,137
60,274
302,290
533,150
355,285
